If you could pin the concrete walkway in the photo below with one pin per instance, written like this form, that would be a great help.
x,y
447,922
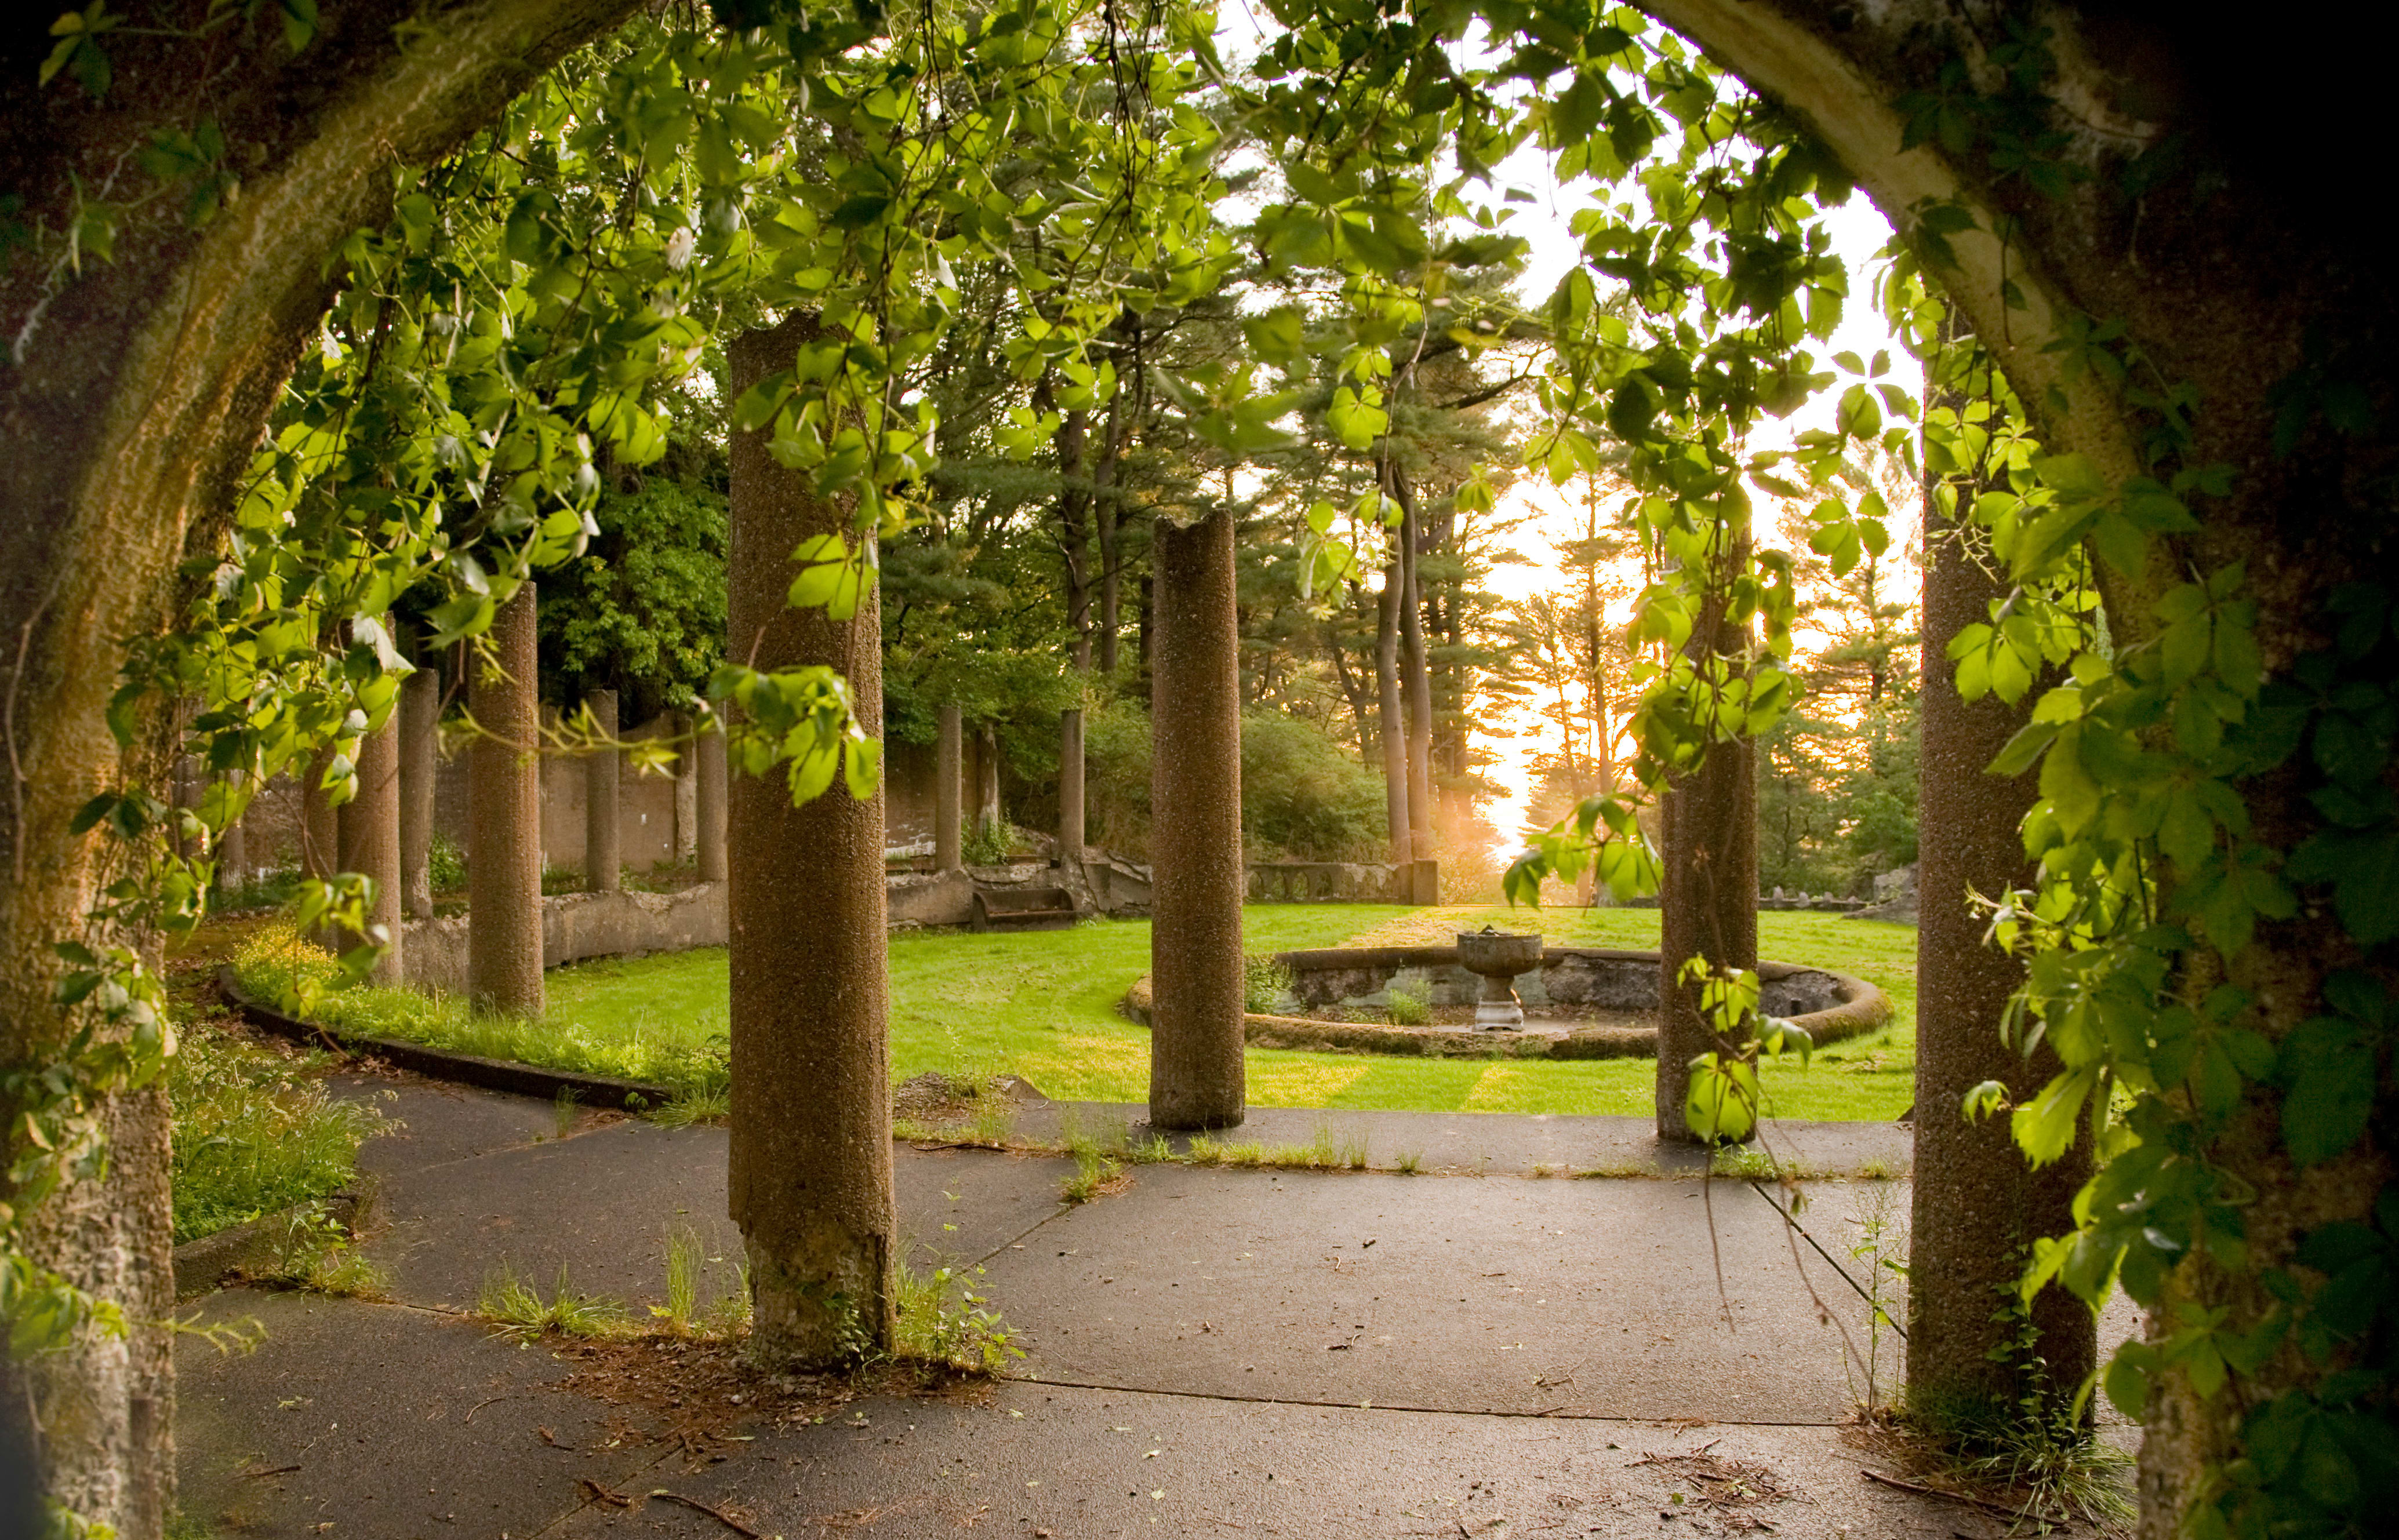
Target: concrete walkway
x,y
1208,1351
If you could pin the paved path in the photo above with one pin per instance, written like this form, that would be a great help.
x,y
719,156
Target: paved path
x,y
1209,1351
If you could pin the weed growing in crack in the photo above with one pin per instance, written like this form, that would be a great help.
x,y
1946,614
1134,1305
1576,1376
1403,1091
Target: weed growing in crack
x,y
518,1309
943,1321
1152,1151
1095,1174
684,1259
1408,1162
312,1251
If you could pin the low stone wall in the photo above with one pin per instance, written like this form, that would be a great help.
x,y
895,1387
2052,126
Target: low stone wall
x,y
576,925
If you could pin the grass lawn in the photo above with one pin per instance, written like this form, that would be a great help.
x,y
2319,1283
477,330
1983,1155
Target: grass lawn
x,y
1042,1004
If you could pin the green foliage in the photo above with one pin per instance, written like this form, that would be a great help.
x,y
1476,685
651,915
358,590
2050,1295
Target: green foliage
x,y
250,1137
642,609
1410,1005
943,1321
517,1309
1265,981
988,842
446,864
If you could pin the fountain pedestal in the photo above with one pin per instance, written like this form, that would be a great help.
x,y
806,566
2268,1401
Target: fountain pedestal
x,y
1499,956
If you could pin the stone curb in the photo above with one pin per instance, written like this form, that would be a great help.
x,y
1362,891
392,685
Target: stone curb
x,y
203,1264
1866,1009
492,1075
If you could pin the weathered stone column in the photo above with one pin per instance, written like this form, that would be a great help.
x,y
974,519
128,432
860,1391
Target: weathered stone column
x,y
809,1181
1196,1068
420,736
1708,902
504,828
1976,1204
710,752
603,859
1070,792
232,855
686,800
367,827
948,792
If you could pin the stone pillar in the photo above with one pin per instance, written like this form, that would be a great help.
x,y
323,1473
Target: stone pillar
x,y
1070,792
232,855
504,828
948,792
1708,898
602,861
710,752
686,802
420,736
1196,1068
1976,1204
809,1179
368,829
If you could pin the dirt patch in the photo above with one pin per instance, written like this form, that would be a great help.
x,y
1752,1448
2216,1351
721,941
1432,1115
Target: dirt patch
x,y
1726,1491
937,1099
696,1394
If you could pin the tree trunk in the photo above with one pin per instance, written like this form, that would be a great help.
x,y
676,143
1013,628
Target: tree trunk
x,y
504,818
420,737
1390,725
602,854
1070,792
809,1181
1105,512
369,829
1149,619
1416,675
321,829
1977,1206
948,792
1075,532
1196,1068
710,752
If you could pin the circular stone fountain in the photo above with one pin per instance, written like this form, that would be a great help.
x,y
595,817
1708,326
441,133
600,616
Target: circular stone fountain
x,y
1568,1002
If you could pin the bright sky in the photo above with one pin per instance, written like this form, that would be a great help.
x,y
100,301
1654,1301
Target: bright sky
x,y
1858,230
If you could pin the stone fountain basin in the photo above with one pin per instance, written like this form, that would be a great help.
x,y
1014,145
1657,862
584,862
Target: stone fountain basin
x,y
1497,953
1826,1004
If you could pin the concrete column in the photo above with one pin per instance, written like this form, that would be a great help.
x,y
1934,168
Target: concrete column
x,y
810,1173
368,828
1070,789
504,828
686,802
232,855
603,859
1195,1069
948,792
710,752
420,732
1976,1204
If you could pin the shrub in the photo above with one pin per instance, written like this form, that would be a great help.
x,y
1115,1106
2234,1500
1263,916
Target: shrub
x,y
249,1139
1264,982
446,864
988,842
1411,1004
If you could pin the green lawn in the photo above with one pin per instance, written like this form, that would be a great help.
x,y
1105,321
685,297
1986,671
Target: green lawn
x,y
1042,1004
